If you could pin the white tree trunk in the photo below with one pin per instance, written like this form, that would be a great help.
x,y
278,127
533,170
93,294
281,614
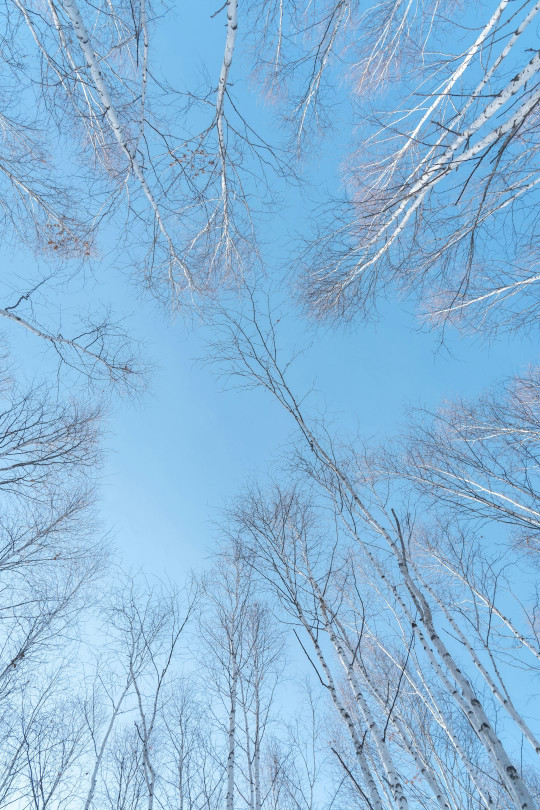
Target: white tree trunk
x,y
232,739
93,780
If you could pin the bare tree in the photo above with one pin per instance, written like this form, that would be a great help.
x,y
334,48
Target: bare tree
x,y
389,565
192,772
439,179
100,351
296,771
124,787
44,444
54,739
51,556
48,556
186,188
481,459
295,48
145,621
242,653
431,184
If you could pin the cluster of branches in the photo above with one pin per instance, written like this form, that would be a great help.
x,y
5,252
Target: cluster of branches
x,y
83,76
50,559
93,140
441,184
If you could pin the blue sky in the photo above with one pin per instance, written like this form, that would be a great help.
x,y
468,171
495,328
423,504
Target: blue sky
x,y
177,455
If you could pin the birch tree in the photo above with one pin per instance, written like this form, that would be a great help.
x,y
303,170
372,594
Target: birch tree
x,y
184,191
48,556
430,182
51,556
124,788
145,622
436,181
296,761
243,656
390,563
480,459
192,776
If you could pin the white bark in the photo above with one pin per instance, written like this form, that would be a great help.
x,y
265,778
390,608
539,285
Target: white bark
x,y
503,699
272,378
257,760
393,777
229,802
73,12
467,699
59,340
492,607
408,739
99,757
344,714
232,27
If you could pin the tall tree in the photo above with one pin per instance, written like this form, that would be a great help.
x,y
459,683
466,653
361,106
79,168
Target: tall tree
x,y
395,568
243,655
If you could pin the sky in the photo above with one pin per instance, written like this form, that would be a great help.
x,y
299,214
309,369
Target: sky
x,y
176,456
